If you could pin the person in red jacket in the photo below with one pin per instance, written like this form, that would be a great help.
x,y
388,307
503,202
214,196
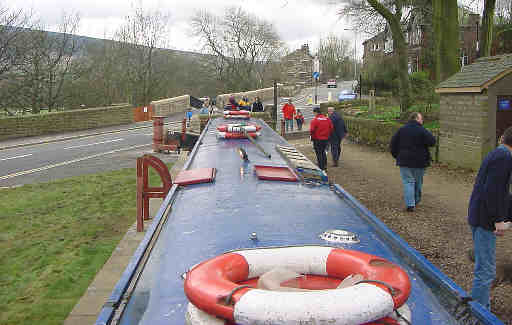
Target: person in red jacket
x,y
320,129
288,114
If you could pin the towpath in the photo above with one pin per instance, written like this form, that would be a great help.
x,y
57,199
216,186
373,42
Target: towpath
x,y
438,228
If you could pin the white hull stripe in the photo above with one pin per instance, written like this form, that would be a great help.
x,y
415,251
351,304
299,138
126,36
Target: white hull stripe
x,y
303,260
358,304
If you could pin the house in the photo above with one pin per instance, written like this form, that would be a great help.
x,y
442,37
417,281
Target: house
x,y
380,46
298,67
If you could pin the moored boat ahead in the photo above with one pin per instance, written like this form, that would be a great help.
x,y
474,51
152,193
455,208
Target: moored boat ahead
x,y
270,241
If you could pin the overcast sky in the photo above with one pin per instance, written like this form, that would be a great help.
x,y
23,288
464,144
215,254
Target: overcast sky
x,y
297,21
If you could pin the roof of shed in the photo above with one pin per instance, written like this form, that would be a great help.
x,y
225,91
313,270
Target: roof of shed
x,y
478,76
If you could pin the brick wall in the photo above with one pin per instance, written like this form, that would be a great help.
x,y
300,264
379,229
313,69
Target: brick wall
x,y
168,106
463,132
73,120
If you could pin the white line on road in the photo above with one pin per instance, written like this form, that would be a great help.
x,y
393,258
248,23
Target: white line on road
x,y
31,171
15,157
92,144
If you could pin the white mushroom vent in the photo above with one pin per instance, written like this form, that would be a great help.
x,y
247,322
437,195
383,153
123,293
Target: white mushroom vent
x,y
339,236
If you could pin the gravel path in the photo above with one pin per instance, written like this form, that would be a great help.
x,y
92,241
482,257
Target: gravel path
x,y
438,228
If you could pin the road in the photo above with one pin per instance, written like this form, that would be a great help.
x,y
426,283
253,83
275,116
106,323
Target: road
x,y
48,161
102,152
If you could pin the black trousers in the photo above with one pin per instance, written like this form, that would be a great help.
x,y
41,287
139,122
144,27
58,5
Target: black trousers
x,y
321,157
335,150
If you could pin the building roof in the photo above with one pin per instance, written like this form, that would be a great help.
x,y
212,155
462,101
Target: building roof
x,y
478,76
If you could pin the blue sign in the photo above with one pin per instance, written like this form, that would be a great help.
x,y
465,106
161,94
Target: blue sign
x,y
503,104
316,75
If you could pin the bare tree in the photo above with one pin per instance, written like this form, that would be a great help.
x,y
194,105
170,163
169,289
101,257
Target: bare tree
x,y
45,66
13,28
333,55
139,43
241,45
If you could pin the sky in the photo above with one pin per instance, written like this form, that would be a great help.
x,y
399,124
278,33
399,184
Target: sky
x,y
296,21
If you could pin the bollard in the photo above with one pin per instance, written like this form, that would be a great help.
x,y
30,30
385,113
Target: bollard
x,y
183,129
144,192
282,128
158,131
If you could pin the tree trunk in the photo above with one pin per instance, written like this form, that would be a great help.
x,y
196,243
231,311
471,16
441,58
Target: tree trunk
x,y
487,28
446,38
403,72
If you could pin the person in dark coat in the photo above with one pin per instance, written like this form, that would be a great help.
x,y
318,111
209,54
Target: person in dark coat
x,y
488,213
338,134
257,106
409,146
233,103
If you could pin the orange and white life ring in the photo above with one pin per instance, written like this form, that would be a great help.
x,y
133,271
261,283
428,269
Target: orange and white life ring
x,y
237,114
217,287
238,128
237,135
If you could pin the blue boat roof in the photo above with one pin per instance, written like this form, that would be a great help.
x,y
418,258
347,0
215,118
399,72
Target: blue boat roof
x,y
206,220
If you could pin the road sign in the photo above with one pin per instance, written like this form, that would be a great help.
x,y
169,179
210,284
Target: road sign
x,y
316,75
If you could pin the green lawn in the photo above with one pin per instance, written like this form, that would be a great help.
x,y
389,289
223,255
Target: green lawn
x,y
55,237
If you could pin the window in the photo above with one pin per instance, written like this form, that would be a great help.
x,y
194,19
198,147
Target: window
x,y
388,45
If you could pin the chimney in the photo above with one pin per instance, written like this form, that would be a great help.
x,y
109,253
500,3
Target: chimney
x,y
305,48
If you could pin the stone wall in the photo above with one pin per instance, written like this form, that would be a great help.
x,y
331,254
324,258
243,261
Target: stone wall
x,y
378,133
73,120
264,94
464,138
168,106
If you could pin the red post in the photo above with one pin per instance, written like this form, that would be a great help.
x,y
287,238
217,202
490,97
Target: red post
x,y
158,130
144,192
140,197
183,129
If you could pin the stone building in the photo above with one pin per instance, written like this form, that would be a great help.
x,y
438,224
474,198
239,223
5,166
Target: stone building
x,y
476,107
381,45
298,67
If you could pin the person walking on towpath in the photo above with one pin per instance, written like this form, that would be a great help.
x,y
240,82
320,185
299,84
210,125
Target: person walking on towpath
x,y
299,118
409,146
288,114
338,134
489,209
320,129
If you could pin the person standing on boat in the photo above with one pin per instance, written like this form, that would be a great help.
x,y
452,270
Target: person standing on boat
x,y
288,115
257,106
233,103
409,146
488,211
320,129
339,133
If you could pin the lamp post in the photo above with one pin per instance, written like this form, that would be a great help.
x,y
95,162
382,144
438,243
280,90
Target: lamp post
x,y
355,51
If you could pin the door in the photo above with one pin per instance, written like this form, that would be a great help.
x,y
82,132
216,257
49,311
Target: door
x,y
503,115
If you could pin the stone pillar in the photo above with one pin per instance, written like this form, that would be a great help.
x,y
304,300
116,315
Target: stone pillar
x,y
158,132
371,107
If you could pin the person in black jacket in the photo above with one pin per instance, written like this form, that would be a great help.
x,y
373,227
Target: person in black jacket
x,y
257,106
338,134
409,146
488,213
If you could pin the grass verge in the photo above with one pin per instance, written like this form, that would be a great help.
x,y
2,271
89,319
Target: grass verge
x,y
55,237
